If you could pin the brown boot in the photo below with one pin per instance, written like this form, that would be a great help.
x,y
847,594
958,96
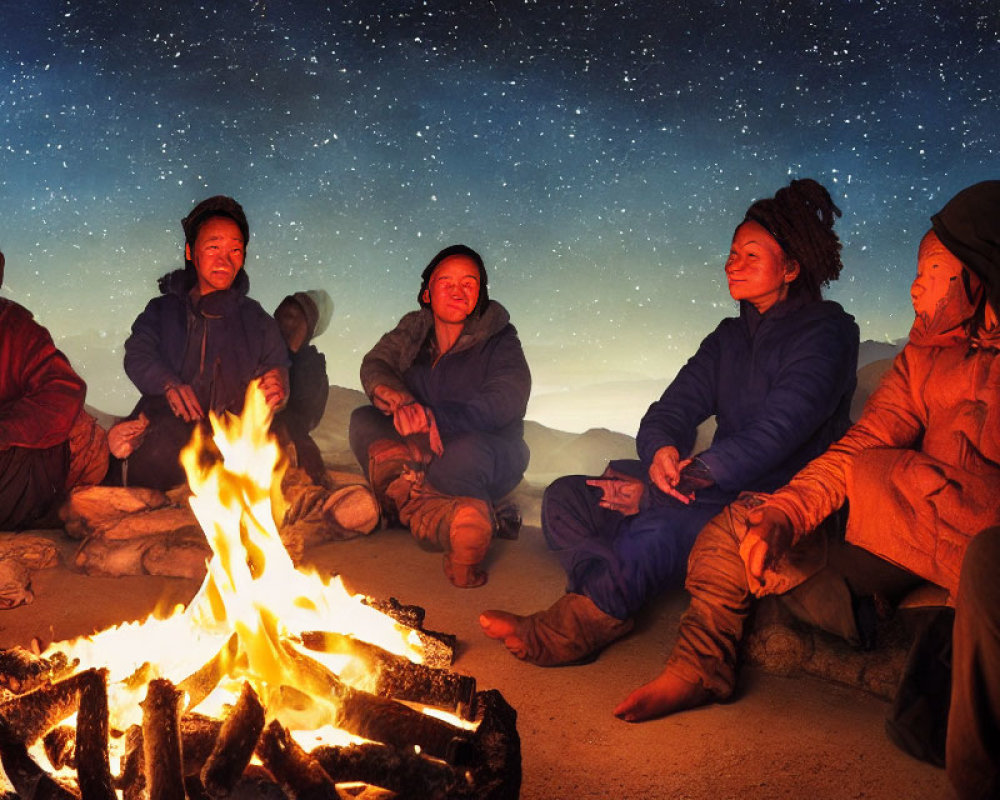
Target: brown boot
x,y
573,630
386,460
461,526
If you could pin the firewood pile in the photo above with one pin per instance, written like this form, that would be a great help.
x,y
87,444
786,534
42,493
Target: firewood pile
x,y
179,753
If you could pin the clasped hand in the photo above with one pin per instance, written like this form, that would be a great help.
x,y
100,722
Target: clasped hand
x,y
769,537
619,492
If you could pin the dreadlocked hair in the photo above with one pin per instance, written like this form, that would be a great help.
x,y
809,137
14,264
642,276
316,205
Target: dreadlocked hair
x,y
800,217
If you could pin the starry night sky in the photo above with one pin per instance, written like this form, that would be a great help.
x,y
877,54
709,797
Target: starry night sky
x,y
597,154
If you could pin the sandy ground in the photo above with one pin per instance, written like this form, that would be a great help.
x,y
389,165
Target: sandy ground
x,y
782,738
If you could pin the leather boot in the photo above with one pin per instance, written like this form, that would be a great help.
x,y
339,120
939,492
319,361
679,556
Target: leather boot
x,y
572,631
386,460
461,526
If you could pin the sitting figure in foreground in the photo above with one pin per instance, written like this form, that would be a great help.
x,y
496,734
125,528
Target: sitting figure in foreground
x,y
444,442
778,379
920,472
195,349
48,442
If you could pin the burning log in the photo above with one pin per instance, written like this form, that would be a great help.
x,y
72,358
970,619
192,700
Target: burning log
x,y
132,780
378,718
439,648
60,746
293,767
27,777
22,670
161,741
93,767
493,771
235,744
400,678
31,715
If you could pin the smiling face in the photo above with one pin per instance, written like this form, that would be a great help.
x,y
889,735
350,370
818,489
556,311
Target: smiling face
x,y
217,255
757,269
453,289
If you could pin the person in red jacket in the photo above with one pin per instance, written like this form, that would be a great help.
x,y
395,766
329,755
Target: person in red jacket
x,y
41,398
920,472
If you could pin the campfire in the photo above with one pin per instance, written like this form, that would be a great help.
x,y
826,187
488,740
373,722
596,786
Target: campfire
x,y
272,682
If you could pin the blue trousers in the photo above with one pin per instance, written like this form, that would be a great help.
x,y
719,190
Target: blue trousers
x,y
621,562
474,464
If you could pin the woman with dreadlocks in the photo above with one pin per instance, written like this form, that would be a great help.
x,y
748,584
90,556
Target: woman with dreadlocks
x,y
920,477
778,379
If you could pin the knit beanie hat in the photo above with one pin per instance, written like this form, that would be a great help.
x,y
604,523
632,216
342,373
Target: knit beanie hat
x,y
217,206
969,226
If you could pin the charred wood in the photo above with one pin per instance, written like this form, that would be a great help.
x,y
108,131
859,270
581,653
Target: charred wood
x,y
31,715
21,670
410,775
93,765
60,746
27,777
292,767
132,780
400,678
235,744
439,648
198,736
161,741
378,718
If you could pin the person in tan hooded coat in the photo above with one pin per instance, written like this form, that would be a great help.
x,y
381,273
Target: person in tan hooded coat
x,y
921,473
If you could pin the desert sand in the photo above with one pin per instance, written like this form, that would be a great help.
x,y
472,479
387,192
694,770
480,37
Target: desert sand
x,y
781,738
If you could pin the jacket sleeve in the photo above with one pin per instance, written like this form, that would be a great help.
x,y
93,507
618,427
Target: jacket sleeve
x,y
145,363
816,371
503,397
891,418
48,392
688,401
309,388
385,363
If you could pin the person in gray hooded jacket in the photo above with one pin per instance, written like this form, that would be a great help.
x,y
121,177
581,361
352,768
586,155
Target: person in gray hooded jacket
x,y
443,441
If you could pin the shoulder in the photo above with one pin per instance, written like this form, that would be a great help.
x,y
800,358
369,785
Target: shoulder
x,y
414,324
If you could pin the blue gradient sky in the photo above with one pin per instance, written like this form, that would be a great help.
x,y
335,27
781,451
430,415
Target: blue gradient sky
x,y
597,154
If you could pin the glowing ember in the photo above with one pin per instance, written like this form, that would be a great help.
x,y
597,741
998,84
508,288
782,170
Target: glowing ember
x,y
246,620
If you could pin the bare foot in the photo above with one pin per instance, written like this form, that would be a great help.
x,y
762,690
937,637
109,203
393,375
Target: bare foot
x,y
508,627
662,696
498,624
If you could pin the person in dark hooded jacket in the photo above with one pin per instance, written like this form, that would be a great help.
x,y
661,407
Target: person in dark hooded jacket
x,y
195,348
778,379
302,317
443,442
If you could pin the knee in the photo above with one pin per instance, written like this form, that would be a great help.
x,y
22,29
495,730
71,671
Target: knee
x,y
979,570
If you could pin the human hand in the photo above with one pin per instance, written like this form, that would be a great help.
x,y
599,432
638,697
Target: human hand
x,y
410,418
622,494
183,402
665,472
768,538
272,384
387,400
125,436
437,446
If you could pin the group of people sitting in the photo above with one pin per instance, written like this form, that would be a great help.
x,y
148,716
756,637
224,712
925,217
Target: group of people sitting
x,y
789,498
